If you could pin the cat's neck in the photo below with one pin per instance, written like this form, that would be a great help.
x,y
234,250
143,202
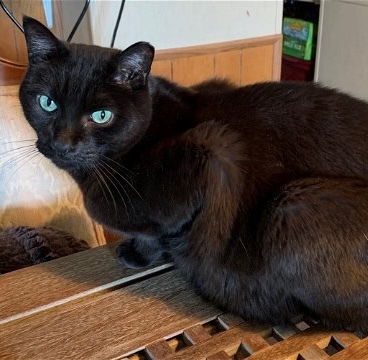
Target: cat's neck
x,y
173,108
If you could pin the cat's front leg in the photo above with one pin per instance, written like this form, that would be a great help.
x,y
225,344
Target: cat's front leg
x,y
138,251
189,188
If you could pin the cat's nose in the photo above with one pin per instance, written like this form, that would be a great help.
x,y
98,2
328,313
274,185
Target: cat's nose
x,y
61,148
65,141
67,137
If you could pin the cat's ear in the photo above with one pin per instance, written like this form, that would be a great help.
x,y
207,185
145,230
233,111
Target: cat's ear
x,y
134,64
42,45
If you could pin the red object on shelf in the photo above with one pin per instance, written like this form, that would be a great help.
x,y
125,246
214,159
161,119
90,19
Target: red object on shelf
x,y
296,69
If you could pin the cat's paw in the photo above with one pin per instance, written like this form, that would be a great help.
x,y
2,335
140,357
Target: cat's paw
x,y
135,254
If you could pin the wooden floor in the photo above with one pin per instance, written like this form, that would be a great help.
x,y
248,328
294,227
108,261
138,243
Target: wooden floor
x,y
86,306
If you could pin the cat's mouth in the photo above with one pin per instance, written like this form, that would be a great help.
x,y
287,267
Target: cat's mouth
x,y
67,159
68,162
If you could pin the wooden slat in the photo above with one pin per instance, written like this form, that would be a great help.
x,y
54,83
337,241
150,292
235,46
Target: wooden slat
x,y
277,59
8,46
192,70
346,339
229,320
197,334
62,280
162,68
153,316
227,65
358,350
32,8
254,342
11,74
313,353
290,348
12,42
159,350
13,50
219,356
284,332
257,64
228,341
228,60
109,324
211,49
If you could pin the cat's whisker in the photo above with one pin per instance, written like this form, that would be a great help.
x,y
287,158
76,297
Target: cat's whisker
x,y
40,158
10,158
100,184
118,164
101,177
8,142
20,155
245,249
110,176
20,162
10,151
111,172
122,176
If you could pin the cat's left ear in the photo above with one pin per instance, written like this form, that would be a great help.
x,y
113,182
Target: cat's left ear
x,y
41,43
134,64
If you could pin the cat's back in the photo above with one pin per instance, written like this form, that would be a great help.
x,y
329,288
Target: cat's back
x,y
304,126
277,103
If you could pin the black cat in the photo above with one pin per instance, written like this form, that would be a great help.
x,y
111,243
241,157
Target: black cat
x,y
259,193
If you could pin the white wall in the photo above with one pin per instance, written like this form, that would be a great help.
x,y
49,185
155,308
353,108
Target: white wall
x,y
172,24
70,11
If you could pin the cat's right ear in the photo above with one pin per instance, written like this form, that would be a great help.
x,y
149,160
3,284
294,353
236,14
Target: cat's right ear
x,y
42,45
134,64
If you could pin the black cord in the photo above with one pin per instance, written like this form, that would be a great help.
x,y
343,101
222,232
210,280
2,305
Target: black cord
x,y
19,26
76,26
117,23
12,18
80,18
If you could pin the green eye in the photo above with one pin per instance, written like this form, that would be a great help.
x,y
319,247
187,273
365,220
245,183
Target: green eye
x,y
101,116
47,103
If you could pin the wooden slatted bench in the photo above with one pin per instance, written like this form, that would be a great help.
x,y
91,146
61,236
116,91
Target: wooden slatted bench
x,y
85,306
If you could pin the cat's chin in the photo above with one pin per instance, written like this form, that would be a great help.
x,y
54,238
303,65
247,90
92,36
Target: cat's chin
x,y
72,169
71,166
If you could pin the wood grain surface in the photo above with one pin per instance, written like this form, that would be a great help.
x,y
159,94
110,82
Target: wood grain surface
x,y
85,306
59,282
108,323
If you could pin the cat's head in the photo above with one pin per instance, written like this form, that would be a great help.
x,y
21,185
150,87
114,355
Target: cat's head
x,y
86,103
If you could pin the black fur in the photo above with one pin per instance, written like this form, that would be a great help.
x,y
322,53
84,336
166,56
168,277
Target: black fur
x,y
258,193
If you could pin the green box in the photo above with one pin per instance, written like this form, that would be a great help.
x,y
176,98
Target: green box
x,y
298,38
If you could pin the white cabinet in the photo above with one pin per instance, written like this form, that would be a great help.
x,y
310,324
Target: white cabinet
x,y
342,53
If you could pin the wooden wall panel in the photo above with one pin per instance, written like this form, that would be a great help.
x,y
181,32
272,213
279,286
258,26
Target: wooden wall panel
x,y
242,62
162,68
11,74
13,52
13,46
7,43
257,64
19,7
228,65
191,70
